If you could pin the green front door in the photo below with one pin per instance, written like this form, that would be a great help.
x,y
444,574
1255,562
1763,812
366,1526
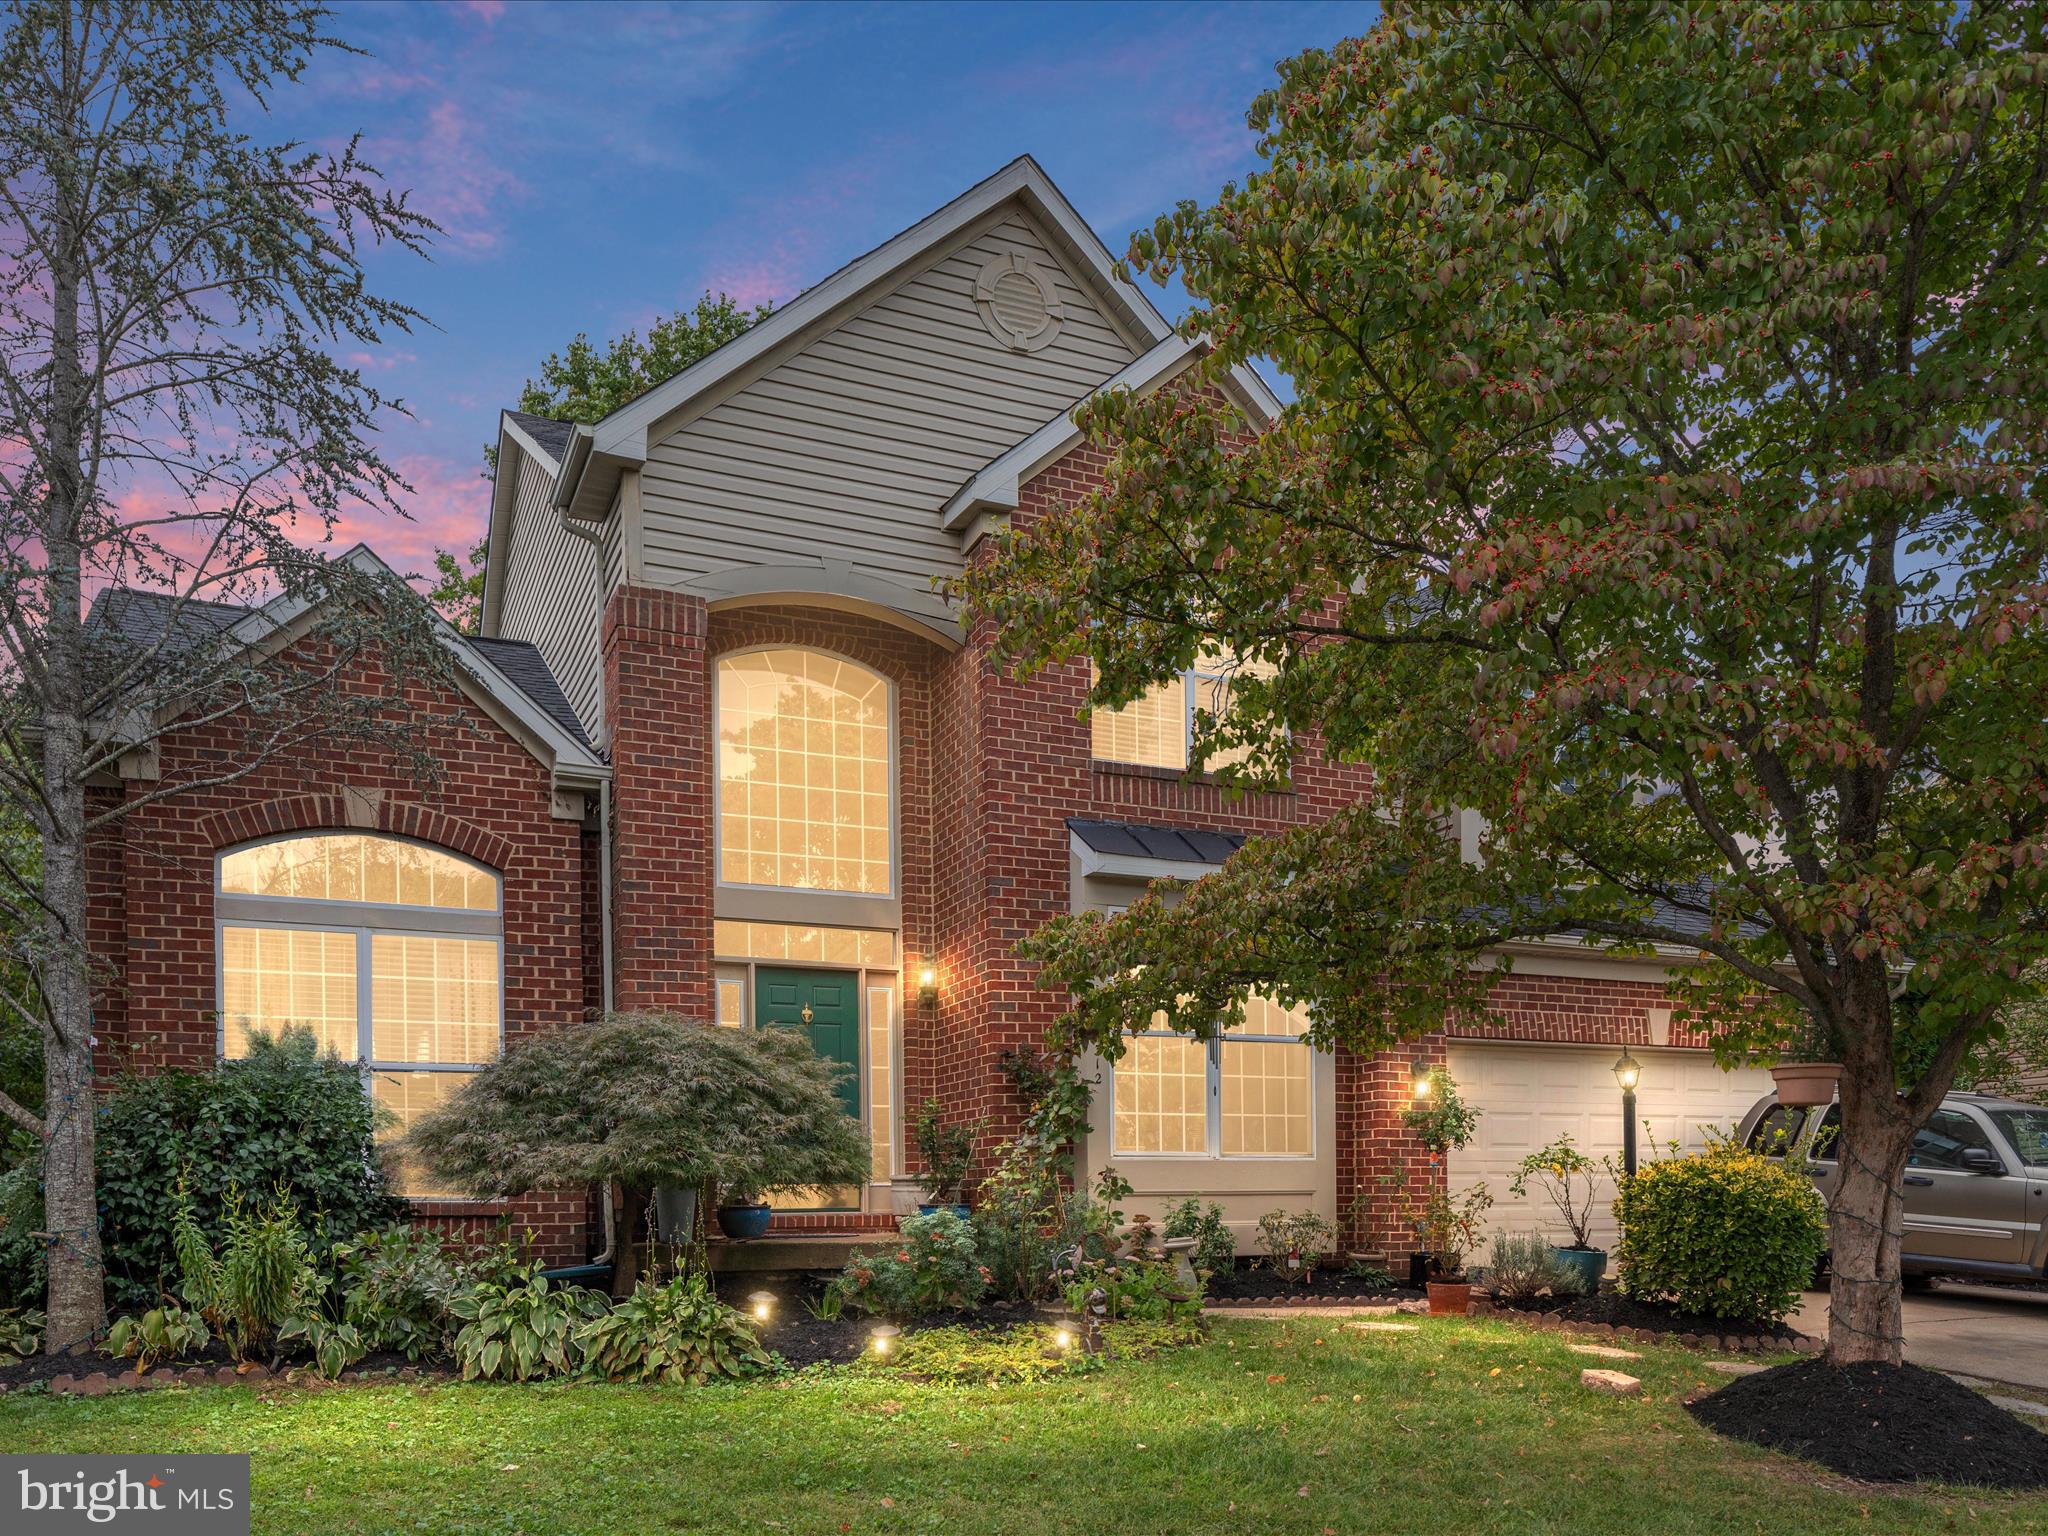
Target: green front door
x,y
825,1005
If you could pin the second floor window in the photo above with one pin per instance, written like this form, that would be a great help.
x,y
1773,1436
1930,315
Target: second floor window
x,y
804,777
1158,730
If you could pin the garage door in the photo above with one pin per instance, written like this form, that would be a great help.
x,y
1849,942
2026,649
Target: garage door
x,y
1528,1095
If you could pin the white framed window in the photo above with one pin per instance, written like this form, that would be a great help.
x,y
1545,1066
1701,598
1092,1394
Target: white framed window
x,y
806,758
1247,1093
1159,729
390,951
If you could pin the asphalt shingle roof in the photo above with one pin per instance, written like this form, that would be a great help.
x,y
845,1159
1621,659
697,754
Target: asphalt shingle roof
x,y
1132,839
552,436
528,669
141,618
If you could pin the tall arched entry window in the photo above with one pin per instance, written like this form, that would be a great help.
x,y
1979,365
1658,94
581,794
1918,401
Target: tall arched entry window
x,y
805,791
806,936
390,952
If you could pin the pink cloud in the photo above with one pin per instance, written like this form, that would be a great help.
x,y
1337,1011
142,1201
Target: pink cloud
x,y
455,176
448,507
485,11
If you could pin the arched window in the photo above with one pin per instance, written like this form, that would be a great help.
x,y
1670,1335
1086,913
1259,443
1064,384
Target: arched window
x,y
804,782
389,951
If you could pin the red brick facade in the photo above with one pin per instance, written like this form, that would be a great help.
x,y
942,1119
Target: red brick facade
x,y
990,769
153,889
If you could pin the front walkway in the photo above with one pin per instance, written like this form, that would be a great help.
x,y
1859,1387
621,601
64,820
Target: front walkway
x,y
1989,1332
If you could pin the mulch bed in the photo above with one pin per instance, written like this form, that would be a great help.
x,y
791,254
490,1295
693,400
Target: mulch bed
x,y
801,1339
1637,1319
92,1374
1256,1284
1881,1424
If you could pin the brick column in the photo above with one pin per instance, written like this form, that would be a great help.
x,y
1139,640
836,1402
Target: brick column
x,y
657,701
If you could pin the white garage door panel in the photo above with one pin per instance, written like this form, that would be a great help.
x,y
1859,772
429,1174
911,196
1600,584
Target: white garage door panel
x,y
1528,1096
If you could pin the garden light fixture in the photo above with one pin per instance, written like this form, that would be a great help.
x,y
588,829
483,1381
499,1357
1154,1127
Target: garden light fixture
x,y
763,1303
1628,1072
1063,1337
884,1338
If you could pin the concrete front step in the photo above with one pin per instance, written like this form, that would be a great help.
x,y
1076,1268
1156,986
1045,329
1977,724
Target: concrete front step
x,y
780,1251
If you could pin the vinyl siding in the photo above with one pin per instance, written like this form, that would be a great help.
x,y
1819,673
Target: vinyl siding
x,y
848,449
551,593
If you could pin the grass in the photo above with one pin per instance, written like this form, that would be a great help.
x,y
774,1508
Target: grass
x,y
1298,1426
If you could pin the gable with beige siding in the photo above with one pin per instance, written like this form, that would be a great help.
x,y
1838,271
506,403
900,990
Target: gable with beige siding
x,y
846,449
551,592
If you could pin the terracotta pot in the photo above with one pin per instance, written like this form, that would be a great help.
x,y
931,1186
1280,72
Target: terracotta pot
x,y
1449,1298
1806,1084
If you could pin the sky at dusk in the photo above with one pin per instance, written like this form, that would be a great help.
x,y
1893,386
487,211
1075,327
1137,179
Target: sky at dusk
x,y
593,165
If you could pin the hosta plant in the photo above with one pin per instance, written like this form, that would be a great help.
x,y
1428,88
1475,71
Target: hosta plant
x,y
168,1332
521,1328
21,1332
677,1332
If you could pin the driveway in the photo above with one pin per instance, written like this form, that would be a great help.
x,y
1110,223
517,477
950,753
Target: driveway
x,y
1973,1330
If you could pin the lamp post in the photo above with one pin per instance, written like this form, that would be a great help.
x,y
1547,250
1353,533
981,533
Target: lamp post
x,y
1628,1072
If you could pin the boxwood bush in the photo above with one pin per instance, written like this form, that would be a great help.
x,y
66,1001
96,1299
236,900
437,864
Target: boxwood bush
x,y
1724,1234
284,1116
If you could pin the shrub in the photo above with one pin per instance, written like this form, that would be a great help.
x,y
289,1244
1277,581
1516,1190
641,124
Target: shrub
x,y
168,1332
282,1117
1215,1247
21,1333
397,1284
521,1327
679,1332
646,1100
946,1150
1140,1287
1723,1234
937,1266
1295,1241
261,1276
1523,1267
1440,1118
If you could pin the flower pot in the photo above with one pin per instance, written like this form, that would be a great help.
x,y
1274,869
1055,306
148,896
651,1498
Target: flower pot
x,y
675,1213
1449,1298
1806,1084
1588,1263
928,1208
744,1221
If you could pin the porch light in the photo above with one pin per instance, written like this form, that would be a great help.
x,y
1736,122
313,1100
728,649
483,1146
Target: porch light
x,y
884,1338
1419,1082
763,1303
928,982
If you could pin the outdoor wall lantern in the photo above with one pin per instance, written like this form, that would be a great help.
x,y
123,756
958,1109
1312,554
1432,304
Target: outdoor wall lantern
x,y
928,982
1628,1072
1418,1080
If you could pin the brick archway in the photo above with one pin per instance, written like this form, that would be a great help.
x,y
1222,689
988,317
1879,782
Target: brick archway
x,y
360,810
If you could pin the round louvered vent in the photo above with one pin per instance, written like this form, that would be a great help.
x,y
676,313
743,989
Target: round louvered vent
x,y
1017,303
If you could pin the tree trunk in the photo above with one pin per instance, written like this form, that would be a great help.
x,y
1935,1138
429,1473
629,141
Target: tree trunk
x,y
1867,1217
77,1303
626,1237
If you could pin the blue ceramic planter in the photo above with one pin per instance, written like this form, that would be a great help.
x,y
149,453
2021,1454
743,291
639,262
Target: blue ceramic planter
x,y
744,1221
963,1212
1589,1263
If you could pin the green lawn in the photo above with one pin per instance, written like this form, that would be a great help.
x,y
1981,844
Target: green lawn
x,y
1304,1426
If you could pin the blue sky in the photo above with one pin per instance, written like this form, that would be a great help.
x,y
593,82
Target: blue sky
x,y
595,165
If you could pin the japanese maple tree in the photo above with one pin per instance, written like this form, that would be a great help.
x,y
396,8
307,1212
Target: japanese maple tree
x,y
1658,516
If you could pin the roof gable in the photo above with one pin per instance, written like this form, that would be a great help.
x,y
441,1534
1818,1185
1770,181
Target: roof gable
x,y
594,456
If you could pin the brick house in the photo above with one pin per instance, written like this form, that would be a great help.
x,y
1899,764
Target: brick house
x,y
734,756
